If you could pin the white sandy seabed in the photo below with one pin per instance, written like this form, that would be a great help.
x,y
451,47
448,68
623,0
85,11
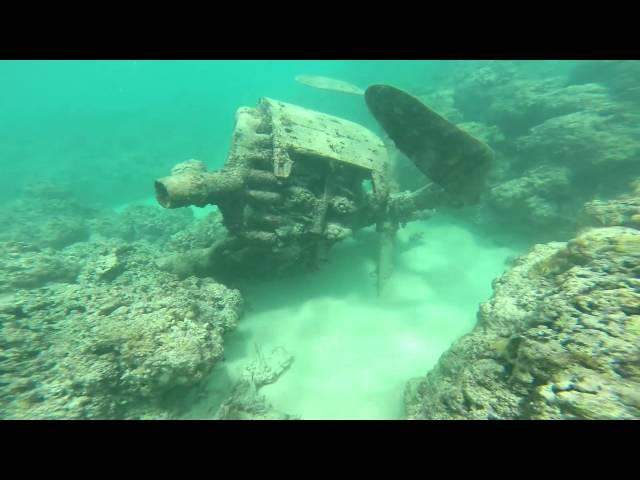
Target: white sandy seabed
x,y
354,352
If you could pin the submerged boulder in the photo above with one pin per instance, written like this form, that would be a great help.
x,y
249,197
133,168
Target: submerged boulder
x,y
558,339
117,343
46,215
623,210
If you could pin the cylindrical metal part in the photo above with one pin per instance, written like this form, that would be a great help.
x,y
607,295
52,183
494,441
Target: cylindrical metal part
x,y
260,178
192,186
260,197
260,219
260,237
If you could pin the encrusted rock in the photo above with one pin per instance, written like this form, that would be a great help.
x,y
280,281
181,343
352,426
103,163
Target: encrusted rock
x,y
558,339
116,349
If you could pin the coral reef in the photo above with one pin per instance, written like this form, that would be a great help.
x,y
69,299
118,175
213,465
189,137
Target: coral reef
x,y
624,210
199,234
558,339
541,196
101,316
585,141
560,140
95,330
26,266
498,94
620,76
110,346
46,215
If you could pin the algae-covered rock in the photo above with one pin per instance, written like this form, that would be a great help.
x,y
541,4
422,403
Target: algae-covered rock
x,y
499,94
620,76
24,265
544,182
110,346
558,339
538,204
560,141
623,210
199,234
143,222
46,215
586,141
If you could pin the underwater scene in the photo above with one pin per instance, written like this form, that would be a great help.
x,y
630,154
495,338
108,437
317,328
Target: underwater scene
x,y
320,240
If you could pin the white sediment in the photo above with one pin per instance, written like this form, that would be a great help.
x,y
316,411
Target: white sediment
x,y
353,351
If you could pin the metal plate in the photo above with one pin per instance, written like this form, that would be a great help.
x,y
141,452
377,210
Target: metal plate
x,y
315,134
447,155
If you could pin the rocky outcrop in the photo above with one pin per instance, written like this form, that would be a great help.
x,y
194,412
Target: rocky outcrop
x,y
620,76
500,94
112,340
46,216
541,195
143,222
623,210
26,266
558,339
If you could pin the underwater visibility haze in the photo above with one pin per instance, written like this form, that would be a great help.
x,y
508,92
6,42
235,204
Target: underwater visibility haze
x,y
320,239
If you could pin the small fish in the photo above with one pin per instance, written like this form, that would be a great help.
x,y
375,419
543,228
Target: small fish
x,y
326,83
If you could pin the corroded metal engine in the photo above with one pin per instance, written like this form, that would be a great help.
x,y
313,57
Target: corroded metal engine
x,y
296,181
